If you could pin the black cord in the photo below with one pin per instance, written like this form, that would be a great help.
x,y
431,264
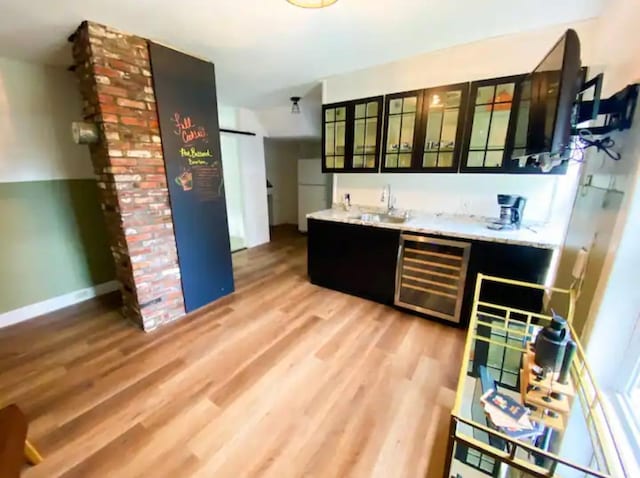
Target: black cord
x,y
586,141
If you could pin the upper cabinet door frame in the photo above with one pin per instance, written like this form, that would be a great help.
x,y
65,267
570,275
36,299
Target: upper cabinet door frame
x,y
361,163
348,140
415,151
494,104
437,156
353,162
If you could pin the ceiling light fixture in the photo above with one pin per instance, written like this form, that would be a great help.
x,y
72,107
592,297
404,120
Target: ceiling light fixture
x,y
295,107
312,3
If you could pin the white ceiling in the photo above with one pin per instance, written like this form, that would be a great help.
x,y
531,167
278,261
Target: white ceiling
x,y
268,50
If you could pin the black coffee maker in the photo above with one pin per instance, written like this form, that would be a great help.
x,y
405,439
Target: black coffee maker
x,y
511,210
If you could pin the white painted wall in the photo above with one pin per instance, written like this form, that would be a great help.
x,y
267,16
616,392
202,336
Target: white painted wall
x,y
616,304
37,105
279,122
456,193
252,168
549,197
618,44
595,213
233,191
607,219
499,56
254,164
612,217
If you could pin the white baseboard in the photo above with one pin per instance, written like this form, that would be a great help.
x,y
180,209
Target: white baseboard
x,y
55,303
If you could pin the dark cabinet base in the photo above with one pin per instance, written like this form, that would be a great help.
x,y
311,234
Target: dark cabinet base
x,y
509,261
361,261
357,260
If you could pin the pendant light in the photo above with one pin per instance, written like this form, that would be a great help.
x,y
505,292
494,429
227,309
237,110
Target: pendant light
x,y
295,107
312,3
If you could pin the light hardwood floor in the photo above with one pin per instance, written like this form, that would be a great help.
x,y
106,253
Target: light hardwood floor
x,y
280,379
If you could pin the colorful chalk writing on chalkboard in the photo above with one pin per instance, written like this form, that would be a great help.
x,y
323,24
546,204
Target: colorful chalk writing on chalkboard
x,y
187,130
200,171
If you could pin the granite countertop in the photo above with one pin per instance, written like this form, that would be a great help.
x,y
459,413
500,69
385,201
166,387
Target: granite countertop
x,y
544,236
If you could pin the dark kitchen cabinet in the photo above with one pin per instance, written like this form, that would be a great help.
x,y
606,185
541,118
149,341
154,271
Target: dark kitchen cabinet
x,y
467,127
509,261
490,125
351,134
357,260
361,260
424,129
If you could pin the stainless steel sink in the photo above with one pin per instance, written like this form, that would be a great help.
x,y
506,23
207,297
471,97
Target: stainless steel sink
x,y
393,219
369,217
388,218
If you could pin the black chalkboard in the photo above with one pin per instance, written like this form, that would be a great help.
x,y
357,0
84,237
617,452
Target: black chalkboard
x,y
185,93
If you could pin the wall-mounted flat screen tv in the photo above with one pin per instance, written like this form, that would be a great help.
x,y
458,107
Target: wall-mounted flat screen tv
x,y
547,97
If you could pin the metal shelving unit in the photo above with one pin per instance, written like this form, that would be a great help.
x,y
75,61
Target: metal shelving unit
x,y
587,433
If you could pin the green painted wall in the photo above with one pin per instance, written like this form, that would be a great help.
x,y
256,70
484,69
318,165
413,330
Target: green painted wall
x,y
52,241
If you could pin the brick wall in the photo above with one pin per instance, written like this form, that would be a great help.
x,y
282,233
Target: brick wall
x,y
114,76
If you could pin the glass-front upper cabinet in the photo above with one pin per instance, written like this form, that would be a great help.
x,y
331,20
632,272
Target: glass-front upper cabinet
x,y
367,119
402,120
334,136
351,135
490,124
443,117
424,129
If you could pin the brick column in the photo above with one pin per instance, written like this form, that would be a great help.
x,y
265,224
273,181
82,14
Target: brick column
x,y
114,76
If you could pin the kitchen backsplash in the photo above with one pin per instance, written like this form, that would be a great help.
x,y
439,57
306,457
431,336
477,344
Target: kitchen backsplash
x,y
549,198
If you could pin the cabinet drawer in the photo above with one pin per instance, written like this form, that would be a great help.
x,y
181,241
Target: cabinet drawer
x,y
431,274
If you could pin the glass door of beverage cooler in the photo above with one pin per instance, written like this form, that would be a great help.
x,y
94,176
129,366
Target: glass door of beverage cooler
x,y
431,274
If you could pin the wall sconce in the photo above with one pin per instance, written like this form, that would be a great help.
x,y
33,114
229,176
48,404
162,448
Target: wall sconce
x,y
84,133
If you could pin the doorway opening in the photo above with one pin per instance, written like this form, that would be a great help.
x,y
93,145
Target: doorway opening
x,y
233,190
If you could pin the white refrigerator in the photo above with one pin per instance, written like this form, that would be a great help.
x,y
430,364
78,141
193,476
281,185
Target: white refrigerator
x,y
314,190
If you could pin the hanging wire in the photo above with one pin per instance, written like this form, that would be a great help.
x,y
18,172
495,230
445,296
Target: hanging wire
x,y
586,140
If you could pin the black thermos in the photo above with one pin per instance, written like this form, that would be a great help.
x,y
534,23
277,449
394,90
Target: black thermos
x,y
569,352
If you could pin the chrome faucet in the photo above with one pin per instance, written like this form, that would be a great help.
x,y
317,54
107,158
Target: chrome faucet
x,y
386,196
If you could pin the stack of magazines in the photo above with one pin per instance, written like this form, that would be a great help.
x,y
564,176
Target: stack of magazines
x,y
509,416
